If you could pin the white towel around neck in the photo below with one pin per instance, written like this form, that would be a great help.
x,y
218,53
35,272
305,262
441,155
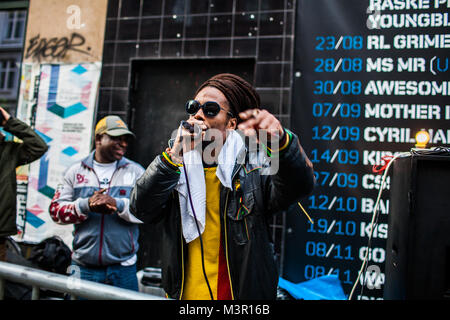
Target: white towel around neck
x,y
197,186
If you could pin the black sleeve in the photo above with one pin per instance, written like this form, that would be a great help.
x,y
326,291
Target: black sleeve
x,y
293,180
32,148
152,190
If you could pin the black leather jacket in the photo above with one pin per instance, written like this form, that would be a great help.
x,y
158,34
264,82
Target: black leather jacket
x,y
248,245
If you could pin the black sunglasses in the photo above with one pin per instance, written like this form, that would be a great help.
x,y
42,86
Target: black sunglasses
x,y
210,108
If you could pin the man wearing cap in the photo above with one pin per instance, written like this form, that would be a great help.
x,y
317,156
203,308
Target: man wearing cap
x,y
94,197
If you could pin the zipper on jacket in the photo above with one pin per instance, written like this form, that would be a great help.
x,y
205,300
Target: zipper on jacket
x,y
103,216
101,222
132,241
225,232
226,243
101,242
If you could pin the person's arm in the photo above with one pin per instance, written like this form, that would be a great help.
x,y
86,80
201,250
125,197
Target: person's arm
x,y
153,188
32,148
64,209
293,180
293,177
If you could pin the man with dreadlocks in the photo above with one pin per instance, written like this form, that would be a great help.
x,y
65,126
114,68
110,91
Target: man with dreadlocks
x,y
215,194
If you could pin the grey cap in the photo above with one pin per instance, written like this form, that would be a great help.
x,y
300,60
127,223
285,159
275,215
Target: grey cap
x,y
113,126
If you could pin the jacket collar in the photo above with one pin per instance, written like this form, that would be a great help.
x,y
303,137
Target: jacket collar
x,y
89,161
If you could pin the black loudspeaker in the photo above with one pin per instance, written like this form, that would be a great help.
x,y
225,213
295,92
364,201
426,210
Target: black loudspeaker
x,y
418,244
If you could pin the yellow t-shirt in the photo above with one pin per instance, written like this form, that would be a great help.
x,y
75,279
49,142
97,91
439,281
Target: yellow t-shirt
x,y
195,287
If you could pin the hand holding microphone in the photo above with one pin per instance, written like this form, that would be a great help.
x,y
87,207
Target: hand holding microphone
x,y
189,136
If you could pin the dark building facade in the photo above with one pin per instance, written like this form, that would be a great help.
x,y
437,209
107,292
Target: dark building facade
x,y
186,29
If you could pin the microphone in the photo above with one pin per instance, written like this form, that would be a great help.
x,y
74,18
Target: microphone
x,y
188,126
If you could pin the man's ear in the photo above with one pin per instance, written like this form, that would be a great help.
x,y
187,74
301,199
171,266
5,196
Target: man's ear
x,y
232,123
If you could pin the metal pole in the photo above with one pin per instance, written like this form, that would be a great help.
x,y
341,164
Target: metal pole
x,y
35,293
80,288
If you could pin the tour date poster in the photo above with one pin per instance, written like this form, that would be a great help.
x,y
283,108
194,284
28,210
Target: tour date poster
x,y
368,75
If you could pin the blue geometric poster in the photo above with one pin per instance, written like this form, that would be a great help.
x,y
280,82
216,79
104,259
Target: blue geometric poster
x,y
65,113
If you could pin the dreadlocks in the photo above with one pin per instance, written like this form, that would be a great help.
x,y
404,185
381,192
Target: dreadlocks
x,y
239,93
